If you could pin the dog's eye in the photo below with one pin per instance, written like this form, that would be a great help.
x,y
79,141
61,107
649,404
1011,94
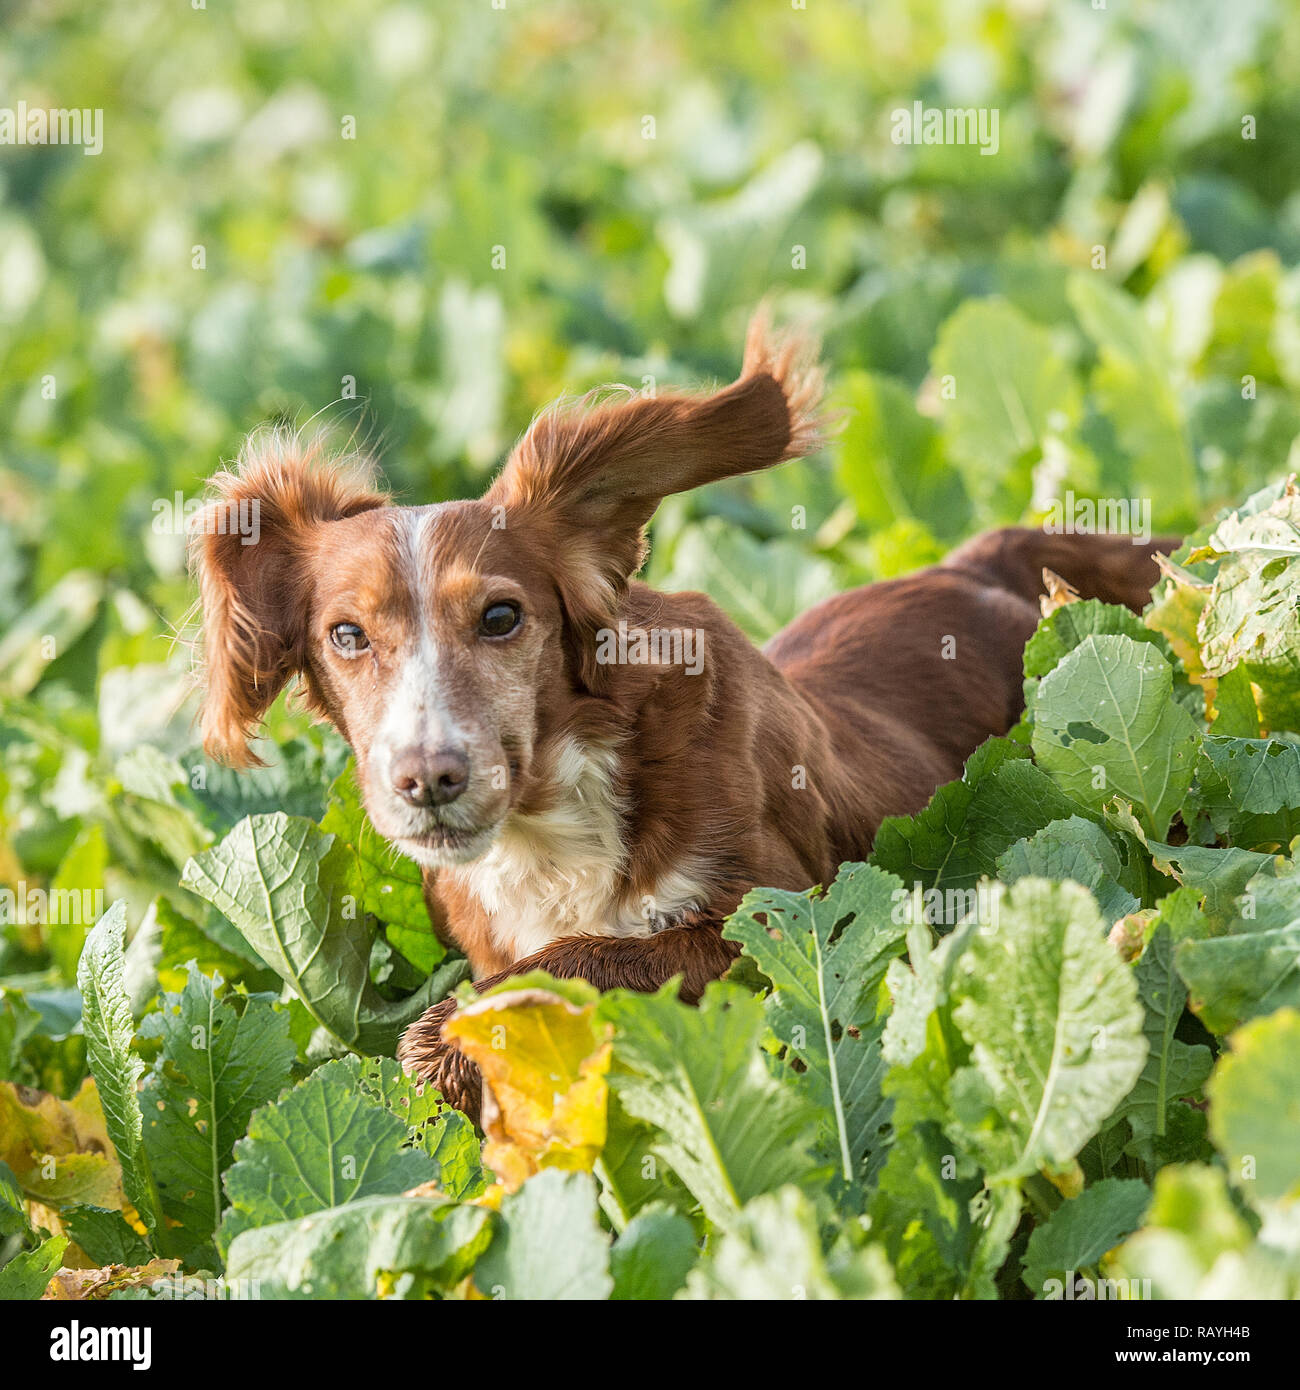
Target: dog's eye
x,y
499,619
348,638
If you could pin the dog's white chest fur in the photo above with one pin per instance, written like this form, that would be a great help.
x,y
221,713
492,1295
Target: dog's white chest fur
x,y
560,873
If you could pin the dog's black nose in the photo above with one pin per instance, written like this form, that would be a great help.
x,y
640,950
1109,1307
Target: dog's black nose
x,y
430,779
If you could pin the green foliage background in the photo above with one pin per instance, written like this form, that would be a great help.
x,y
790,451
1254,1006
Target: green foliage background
x,y
422,223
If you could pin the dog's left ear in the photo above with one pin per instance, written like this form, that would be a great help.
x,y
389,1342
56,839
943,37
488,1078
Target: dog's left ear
x,y
594,476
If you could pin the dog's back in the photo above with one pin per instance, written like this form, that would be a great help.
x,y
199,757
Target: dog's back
x,y
930,665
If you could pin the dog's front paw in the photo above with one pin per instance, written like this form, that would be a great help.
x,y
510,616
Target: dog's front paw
x,y
426,1055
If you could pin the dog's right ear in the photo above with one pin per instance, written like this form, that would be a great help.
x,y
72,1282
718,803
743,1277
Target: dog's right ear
x,y
246,547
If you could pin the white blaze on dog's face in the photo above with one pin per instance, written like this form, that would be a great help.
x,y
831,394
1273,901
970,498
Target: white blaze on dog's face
x,y
433,644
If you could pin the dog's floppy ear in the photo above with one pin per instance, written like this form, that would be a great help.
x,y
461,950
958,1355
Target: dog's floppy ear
x,y
246,546
593,475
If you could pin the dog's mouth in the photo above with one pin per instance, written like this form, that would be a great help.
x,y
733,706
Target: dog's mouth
x,y
441,846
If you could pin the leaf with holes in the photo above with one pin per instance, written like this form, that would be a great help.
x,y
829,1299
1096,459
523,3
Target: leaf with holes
x,y
443,1133
1250,787
1106,725
220,1058
826,954
1252,616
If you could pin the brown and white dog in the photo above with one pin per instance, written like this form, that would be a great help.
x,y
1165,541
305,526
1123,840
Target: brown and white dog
x,y
581,799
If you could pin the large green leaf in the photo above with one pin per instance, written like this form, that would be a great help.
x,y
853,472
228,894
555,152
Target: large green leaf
x,y
220,1059
1132,388
955,841
1105,724
698,1076
285,884
1068,626
552,1246
1082,1230
1250,787
1255,1107
443,1133
1074,849
653,1255
891,463
826,955
323,1144
116,1067
1052,1018
373,1247
1255,968
384,881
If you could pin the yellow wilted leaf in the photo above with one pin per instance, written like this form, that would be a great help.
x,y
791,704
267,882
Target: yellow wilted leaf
x,y
1068,1182
491,1198
77,1285
59,1150
1129,935
1175,613
543,1061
